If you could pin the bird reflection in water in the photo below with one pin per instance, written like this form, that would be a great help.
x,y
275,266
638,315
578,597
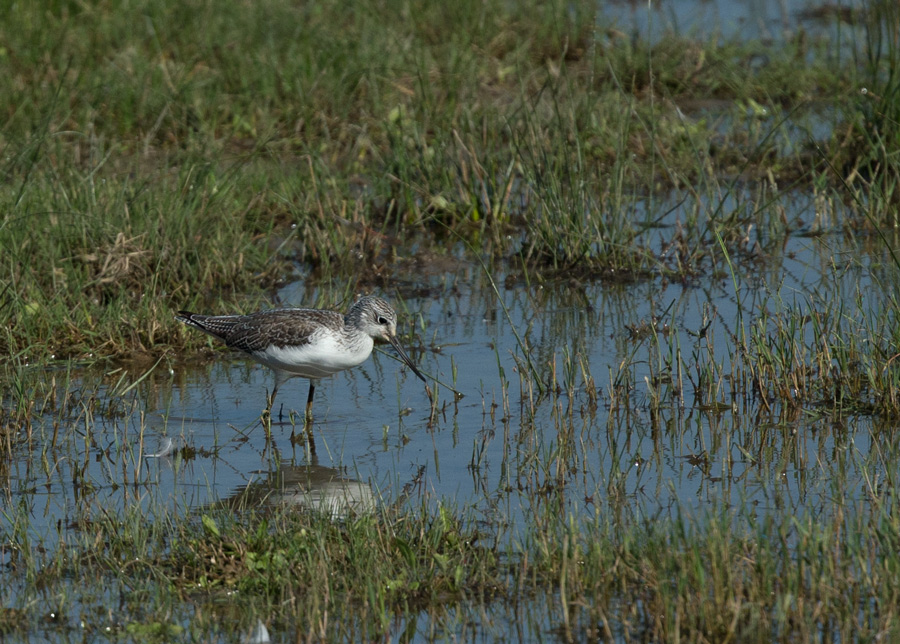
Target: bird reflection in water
x,y
313,488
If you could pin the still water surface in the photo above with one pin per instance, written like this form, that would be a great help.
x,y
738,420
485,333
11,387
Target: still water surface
x,y
190,437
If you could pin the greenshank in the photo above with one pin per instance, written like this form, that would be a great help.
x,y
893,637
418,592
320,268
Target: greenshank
x,y
310,343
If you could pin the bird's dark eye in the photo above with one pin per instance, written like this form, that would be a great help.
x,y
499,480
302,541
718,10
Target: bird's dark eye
x,y
382,319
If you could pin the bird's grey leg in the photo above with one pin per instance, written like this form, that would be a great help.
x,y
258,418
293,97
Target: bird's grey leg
x,y
271,399
309,400
308,423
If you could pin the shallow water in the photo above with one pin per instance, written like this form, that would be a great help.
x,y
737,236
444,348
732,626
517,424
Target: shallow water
x,y
764,20
596,444
187,438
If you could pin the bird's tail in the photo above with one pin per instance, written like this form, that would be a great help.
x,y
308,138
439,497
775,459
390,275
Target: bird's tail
x,y
217,326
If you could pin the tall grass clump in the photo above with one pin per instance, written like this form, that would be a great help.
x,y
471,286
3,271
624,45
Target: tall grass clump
x,y
164,154
579,215
92,263
867,150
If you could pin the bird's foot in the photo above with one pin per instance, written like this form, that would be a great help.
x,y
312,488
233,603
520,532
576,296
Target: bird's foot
x,y
266,420
311,442
306,439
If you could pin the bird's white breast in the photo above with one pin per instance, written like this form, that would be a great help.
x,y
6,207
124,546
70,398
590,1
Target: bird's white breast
x,y
324,355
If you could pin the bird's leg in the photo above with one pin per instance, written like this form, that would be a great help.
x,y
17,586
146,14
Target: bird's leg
x,y
309,399
266,421
267,413
308,424
270,400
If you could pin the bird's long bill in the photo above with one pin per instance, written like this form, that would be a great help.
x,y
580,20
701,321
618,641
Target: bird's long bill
x,y
409,363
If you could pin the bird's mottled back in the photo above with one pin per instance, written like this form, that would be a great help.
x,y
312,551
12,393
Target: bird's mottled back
x,y
260,330
282,328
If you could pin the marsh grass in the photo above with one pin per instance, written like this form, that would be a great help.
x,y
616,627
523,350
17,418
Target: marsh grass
x,y
600,568
634,579
865,157
159,156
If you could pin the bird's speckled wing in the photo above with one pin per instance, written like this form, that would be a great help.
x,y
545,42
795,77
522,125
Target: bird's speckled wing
x,y
257,331
281,328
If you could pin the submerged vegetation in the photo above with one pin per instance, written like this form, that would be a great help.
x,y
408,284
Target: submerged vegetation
x,y
372,577
200,154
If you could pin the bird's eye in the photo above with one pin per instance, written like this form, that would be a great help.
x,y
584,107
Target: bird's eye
x,y
382,319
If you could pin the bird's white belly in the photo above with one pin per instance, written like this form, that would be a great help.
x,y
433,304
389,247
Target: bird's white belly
x,y
324,356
